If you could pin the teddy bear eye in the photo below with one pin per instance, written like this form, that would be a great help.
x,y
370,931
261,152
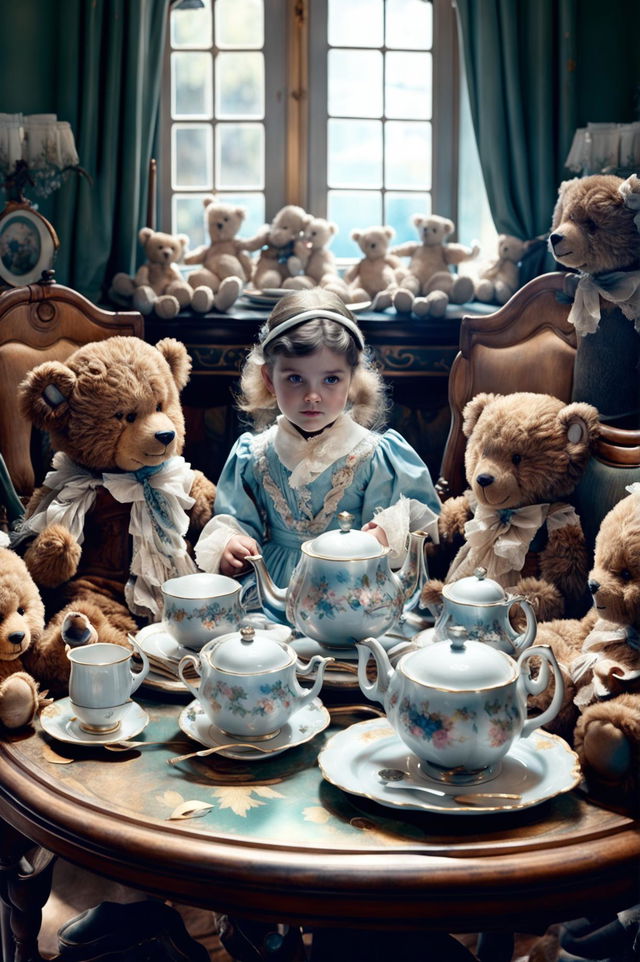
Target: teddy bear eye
x,y
516,458
118,415
625,574
20,610
130,417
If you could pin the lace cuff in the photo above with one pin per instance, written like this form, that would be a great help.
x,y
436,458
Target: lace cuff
x,y
407,514
213,540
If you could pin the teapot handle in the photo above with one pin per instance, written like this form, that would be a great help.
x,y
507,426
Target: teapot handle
x,y
534,686
193,660
526,637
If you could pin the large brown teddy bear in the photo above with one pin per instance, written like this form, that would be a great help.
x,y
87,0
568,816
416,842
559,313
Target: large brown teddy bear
x,y
600,660
595,232
525,454
428,285
158,285
226,266
111,522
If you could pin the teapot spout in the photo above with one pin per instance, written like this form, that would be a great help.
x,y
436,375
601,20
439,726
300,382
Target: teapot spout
x,y
272,598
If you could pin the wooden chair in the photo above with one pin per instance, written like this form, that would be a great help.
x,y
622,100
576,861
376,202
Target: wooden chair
x,y
529,345
43,322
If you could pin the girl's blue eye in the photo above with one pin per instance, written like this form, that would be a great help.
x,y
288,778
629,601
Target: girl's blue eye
x,y
294,379
332,379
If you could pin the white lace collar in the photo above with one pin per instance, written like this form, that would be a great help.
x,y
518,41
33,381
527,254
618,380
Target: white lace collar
x,y
307,458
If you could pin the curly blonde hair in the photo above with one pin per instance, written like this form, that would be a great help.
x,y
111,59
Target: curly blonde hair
x,y
367,401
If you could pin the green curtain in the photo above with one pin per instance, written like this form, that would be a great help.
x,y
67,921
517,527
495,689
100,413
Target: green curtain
x,y
536,70
97,64
520,63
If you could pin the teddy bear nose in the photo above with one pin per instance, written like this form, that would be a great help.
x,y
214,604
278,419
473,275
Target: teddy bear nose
x,y
16,637
593,586
165,437
555,239
484,480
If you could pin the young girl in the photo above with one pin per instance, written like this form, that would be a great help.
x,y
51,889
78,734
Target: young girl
x,y
309,373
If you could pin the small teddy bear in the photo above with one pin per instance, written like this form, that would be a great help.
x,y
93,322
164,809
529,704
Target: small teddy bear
x,y
110,523
312,263
595,232
427,286
277,242
524,456
158,285
375,277
600,660
226,266
499,280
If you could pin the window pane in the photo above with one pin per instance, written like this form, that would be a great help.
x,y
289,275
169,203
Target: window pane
x,y
191,84
409,24
400,208
239,156
352,210
408,155
191,156
239,85
188,218
356,23
354,153
191,28
355,83
408,85
239,23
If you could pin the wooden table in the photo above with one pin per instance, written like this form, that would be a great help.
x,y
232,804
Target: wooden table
x,y
281,843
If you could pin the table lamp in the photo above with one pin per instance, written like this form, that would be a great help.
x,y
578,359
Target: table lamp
x,y
605,148
37,152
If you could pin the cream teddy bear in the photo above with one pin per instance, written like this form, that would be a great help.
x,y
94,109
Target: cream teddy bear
x,y
499,280
427,286
312,263
375,276
158,285
277,241
226,266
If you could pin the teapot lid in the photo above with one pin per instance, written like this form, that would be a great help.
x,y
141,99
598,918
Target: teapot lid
x,y
248,652
476,589
344,544
459,664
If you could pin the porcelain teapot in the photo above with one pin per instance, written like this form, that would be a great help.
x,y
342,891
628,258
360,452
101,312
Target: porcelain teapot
x,y
342,589
482,606
248,685
459,705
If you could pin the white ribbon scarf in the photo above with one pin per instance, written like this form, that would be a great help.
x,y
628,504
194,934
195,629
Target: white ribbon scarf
x,y
158,520
620,287
498,539
613,668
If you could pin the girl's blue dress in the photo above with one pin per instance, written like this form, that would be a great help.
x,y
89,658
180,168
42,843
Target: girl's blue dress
x,y
283,489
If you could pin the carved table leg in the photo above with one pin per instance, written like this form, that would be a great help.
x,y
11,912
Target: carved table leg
x,y
25,884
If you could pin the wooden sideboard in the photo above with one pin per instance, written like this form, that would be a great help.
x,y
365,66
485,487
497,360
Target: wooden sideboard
x,y
414,356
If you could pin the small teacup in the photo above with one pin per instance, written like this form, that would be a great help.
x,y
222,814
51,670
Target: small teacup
x,y
100,685
199,607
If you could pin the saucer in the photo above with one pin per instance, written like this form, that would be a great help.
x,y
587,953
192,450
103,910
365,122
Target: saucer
x,y
537,768
59,721
301,727
156,642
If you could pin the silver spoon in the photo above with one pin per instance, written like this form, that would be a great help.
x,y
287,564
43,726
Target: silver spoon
x,y
396,778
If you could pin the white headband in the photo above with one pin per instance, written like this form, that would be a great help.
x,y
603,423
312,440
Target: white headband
x,y
283,326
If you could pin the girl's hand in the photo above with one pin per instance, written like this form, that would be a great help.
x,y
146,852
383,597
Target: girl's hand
x,y
377,532
233,561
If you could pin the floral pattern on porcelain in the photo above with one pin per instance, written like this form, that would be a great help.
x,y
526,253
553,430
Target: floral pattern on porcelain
x,y
225,697
435,727
363,594
210,615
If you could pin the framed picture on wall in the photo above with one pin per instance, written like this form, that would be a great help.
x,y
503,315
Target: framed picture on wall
x,y
28,244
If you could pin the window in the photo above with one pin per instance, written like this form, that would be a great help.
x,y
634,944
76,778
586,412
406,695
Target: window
x,y
348,108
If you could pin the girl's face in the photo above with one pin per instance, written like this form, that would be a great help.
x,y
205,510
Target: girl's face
x,y
311,391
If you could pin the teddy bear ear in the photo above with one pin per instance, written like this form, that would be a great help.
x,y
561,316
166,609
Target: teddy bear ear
x,y
144,234
418,220
44,394
389,233
581,425
558,211
448,225
473,409
240,212
332,228
355,235
175,354
208,200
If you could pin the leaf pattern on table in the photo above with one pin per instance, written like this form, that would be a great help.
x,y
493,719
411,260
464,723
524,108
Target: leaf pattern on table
x,y
190,809
241,799
317,814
